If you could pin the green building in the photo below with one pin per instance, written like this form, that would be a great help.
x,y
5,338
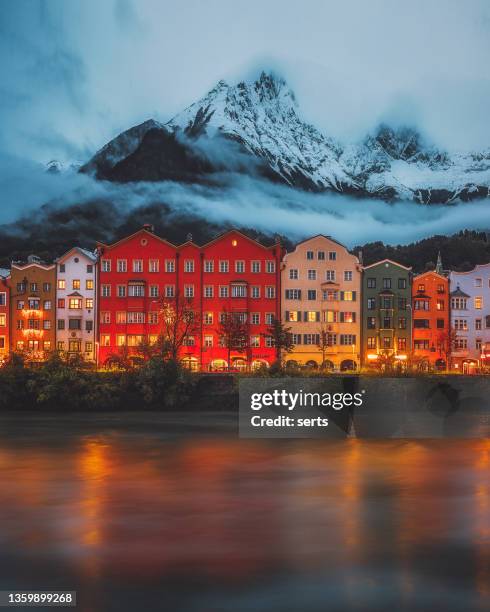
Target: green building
x,y
386,312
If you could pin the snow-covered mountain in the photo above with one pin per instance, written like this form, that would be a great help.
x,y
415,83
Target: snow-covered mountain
x,y
261,121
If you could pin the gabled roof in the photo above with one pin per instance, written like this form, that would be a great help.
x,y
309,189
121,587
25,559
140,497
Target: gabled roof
x,y
382,261
433,272
242,235
32,264
477,267
458,293
75,294
131,236
86,253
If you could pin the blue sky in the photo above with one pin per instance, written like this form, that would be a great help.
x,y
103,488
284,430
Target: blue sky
x,y
75,73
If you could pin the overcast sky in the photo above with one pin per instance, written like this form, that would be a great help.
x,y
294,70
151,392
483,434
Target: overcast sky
x,y
74,73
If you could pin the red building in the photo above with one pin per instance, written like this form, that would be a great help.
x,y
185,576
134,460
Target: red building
x,y
4,315
431,328
241,278
146,283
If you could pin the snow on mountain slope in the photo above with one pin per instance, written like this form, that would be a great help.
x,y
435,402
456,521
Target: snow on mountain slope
x,y
263,118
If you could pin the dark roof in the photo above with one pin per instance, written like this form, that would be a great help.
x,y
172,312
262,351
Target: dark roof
x,y
458,293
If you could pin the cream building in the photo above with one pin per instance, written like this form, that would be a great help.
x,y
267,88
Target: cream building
x,y
321,284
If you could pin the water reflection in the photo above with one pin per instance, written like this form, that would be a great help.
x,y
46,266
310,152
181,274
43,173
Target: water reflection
x,y
135,518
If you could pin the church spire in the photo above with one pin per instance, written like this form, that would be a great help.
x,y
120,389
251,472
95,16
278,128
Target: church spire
x,y
439,268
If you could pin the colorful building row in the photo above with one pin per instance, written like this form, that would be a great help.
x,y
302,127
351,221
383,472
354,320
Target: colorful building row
x,y
224,296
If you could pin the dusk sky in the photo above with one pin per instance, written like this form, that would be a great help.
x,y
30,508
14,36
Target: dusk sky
x,y
75,73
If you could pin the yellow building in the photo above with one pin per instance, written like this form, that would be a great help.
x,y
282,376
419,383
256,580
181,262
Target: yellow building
x,y
321,303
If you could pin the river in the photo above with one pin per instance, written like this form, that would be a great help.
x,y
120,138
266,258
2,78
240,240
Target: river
x,y
144,511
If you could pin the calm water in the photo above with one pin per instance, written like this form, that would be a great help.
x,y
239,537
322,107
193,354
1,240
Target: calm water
x,y
144,512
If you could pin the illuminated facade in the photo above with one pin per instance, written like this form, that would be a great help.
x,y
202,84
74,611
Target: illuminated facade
x,y
33,312
431,324
470,318
321,303
4,314
387,316
76,306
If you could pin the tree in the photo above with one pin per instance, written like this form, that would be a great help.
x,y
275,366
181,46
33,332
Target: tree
x,y
233,331
282,338
179,321
324,342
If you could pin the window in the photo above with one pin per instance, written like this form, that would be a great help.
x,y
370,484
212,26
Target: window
x,y
478,344
371,303
348,296
188,265
371,322
293,294
347,317
309,255
106,265
255,267
271,267
89,347
33,324
33,287
223,291
75,303
487,321
154,265
269,341
153,318
74,346
3,299
90,268
153,291
458,303
20,324
478,282
440,288
386,283
34,304
440,324
312,316
46,287
21,287
20,304
170,265
347,339
135,317
89,303
134,339
189,341
270,292
293,274
461,324
402,344
330,316
61,303
136,290
75,324
311,339
189,291
105,340
331,295
371,283
208,318
89,284
421,288
255,292
421,324
461,343
269,318
292,316
105,317
121,291
47,305
238,291
62,268
402,283
3,320
347,275
137,265
386,342
255,318
120,339
208,341
224,266
60,345
208,291
440,305
402,323
169,291
402,303
387,323
255,341
371,342
239,266
386,303
421,345
208,265
61,284
332,256
122,265
478,302
106,291
321,255
311,274
76,284
312,294
330,275
120,317
89,325
421,304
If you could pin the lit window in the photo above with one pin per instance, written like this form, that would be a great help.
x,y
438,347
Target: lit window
x,y
61,284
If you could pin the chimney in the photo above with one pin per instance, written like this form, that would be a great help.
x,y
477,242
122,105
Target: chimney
x,y
359,256
189,237
149,228
33,259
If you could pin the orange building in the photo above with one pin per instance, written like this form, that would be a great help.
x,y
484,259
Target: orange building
x,y
4,314
32,307
431,328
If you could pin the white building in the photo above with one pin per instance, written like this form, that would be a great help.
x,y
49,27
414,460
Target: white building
x,y
76,307
470,318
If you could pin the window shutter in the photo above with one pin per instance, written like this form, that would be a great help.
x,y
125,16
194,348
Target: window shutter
x,y
299,294
305,316
298,315
354,296
353,317
298,339
317,315
341,296
287,315
341,314
317,338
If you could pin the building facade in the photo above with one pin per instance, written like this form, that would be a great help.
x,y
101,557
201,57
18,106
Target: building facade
x,y
321,303
241,286
76,305
431,321
470,319
32,308
4,314
387,316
